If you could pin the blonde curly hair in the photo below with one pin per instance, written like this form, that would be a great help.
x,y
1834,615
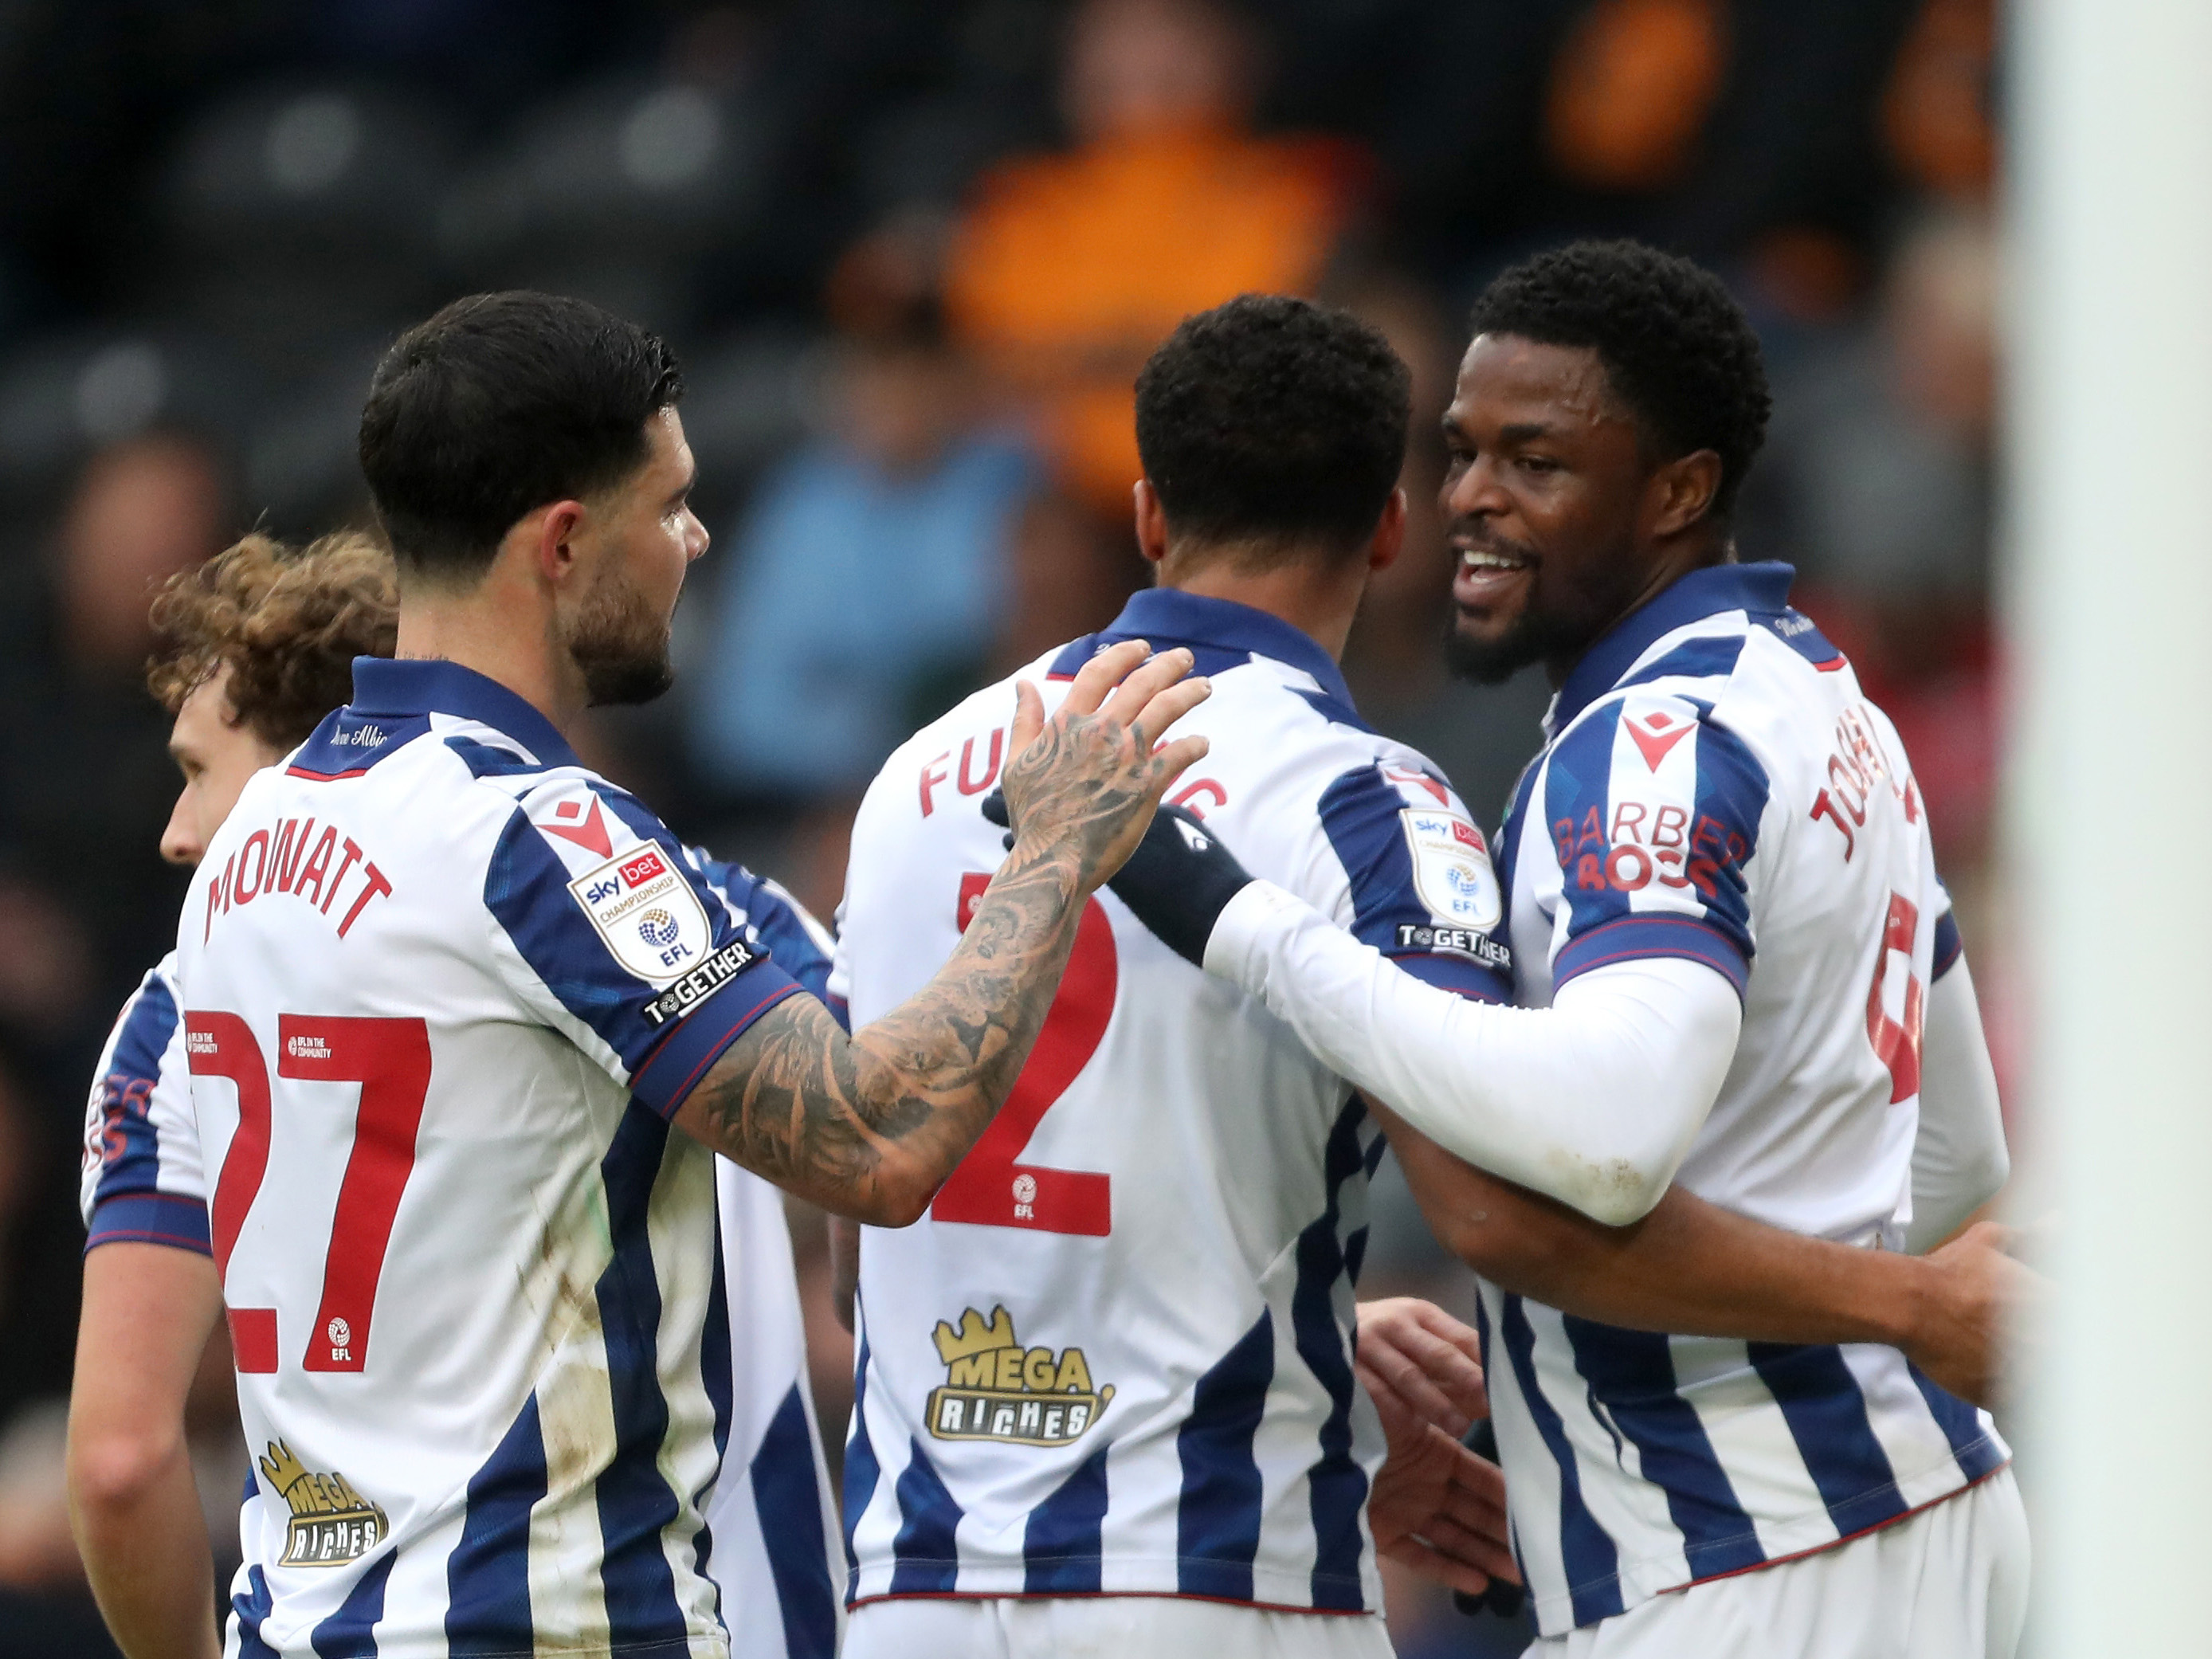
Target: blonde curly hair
x,y
287,622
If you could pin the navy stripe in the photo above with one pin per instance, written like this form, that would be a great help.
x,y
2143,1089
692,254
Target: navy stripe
x,y
862,1471
635,1503
1974,1447
351,1632
928,1556
133,1072
1336,1484
486,760
1822,1402
1950,947
1653,934
1586,1549
249,1608
788,1498
1061,1549
714,1365
1362,814
1447,972
773,921
1795,629
1334,709
150,1219
488,1574
1217,1514
1705,659
1632,1376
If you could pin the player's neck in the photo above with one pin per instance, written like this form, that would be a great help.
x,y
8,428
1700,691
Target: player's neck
x,y
1315,599
500,635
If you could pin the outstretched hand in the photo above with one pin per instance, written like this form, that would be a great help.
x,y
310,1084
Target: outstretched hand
x,y
1081,786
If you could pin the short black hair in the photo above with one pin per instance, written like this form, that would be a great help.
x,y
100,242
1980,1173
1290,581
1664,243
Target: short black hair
x,y
498,404
1275,421
1676,346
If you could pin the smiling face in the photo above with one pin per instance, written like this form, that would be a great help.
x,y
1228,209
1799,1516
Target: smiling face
x,y
641,539
1560,520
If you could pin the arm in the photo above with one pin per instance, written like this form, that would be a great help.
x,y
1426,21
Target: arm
x,y
844,1267
1959,1159
869,1126
149,1311
1593,1100
1693,1269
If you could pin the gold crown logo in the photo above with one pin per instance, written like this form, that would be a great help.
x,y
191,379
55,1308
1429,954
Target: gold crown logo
x,y
308,1492
974,1336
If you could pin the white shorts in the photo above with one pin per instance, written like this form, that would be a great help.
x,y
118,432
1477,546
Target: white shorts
x,y
1950,1583
1103,1627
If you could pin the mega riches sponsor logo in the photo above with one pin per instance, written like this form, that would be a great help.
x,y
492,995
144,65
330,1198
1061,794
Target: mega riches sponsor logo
x,y
996,1389
331,1523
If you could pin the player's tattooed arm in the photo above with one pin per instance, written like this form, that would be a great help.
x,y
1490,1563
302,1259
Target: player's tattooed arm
x,y
869,1126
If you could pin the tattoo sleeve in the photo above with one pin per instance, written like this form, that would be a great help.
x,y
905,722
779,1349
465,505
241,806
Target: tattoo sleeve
x,y
869,1126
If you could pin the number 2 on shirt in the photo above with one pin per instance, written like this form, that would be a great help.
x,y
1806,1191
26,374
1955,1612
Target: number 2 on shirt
x,y
991,1188
390,1059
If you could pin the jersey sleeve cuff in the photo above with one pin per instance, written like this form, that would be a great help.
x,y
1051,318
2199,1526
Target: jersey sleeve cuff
x,y
1633,938
674,1069
1950,947
1469,979
168,1218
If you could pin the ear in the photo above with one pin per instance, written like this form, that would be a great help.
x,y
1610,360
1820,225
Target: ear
x,y
1389,533
1152,522
551,539
1682,492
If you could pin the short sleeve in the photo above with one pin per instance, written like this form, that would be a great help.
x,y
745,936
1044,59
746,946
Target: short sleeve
x,y
1654,811
770,918
1421,887
141,1180
606,915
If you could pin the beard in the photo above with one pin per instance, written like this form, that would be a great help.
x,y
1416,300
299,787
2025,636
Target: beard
x,y
618,644
1530,637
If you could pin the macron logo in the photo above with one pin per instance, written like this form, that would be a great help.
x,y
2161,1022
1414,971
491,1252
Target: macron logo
x,y
1193,836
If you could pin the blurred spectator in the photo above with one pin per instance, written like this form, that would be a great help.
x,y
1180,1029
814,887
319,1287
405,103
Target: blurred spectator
x,y
871,575
1936,112
1070,268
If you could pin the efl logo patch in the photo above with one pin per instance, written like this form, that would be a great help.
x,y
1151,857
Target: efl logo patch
x,y
1451,868
648,915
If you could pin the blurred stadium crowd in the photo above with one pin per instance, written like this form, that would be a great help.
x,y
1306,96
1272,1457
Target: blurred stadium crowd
x,y
911,253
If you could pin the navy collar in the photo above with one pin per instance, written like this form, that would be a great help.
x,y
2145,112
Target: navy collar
x,y
383,686
1168,615
1762,589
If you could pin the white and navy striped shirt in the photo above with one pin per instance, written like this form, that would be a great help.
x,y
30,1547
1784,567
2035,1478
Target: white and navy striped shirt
x,y
444,988
1717,788
1116,1356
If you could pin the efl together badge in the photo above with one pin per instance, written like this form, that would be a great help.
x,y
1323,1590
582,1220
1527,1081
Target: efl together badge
x,y
646,912
996,1389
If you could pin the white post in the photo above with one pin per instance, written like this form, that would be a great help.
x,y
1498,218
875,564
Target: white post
x,y
2110,601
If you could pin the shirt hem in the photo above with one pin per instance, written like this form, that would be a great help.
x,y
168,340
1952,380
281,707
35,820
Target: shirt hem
x,y
1112,1594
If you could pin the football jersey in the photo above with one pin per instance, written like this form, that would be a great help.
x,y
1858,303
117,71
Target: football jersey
x,y
1116,1355
771,1520
140,1180
445,989
1716,787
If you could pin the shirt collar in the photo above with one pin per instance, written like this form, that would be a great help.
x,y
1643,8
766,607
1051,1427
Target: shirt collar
x,y
383,686
1168,615
1762,589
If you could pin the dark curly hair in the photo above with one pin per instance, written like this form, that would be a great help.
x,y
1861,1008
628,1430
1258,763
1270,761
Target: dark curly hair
x,y
287,624
1275,422
1676,346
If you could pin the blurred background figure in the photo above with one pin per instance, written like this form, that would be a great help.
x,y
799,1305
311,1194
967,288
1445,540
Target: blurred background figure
x,y
912,253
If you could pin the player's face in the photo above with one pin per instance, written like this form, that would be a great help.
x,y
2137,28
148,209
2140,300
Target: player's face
x,y
1539,500
645,537
217,758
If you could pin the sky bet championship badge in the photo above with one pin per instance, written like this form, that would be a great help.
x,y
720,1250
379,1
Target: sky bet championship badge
x,y
996,1389
647,913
